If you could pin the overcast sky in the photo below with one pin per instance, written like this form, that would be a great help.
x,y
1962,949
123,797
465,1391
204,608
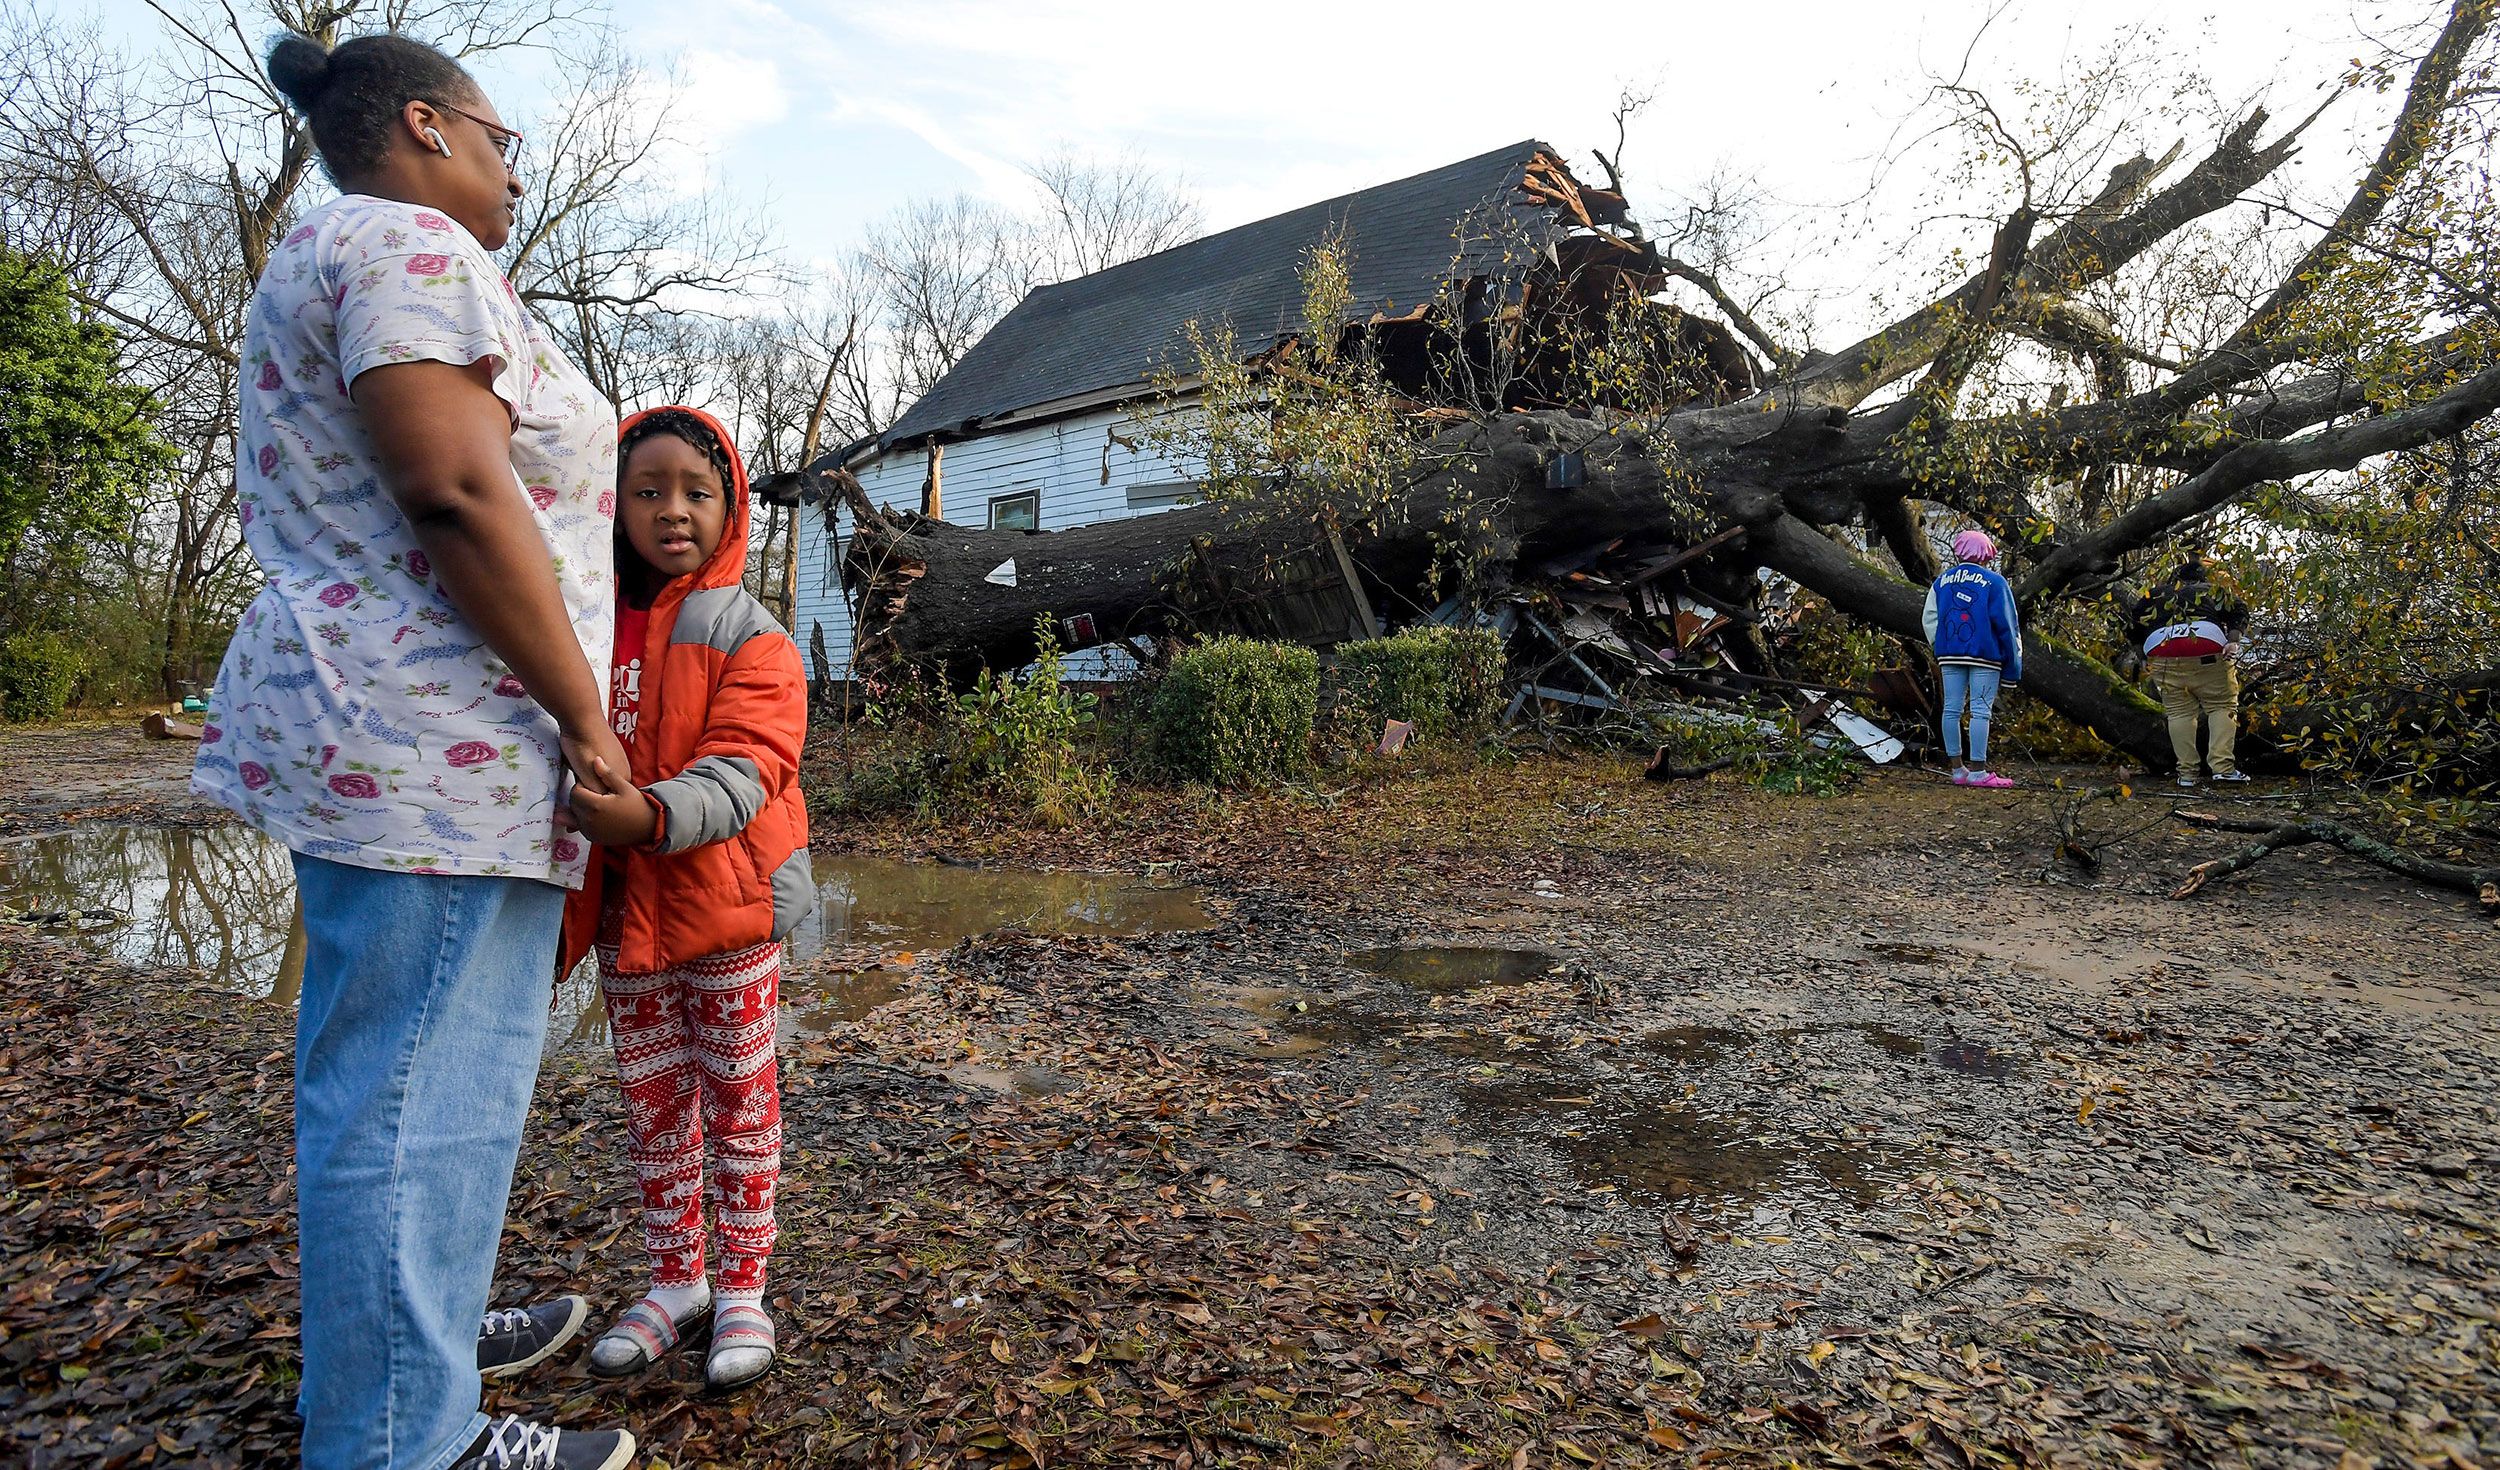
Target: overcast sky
x,y
830,112
837,112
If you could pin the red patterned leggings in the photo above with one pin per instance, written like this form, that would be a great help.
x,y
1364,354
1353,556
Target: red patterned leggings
x,y
701,1034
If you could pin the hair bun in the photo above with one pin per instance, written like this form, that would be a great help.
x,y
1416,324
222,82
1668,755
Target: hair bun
x,y
299,67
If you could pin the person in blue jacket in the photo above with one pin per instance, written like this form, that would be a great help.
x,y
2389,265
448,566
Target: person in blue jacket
x,y
1978,640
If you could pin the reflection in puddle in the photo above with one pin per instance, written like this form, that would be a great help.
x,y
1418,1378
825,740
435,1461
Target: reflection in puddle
x,y
929,906
1449,969
1664,1151
1973,1060
222,900
837,1000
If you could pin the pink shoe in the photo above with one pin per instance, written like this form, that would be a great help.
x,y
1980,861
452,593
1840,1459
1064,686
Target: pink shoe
x,y
1991,781
1961,777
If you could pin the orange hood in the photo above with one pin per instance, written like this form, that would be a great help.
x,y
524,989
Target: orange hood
x,y
727,565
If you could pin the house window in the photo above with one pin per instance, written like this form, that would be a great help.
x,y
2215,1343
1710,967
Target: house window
x,y
1021,511
1146,499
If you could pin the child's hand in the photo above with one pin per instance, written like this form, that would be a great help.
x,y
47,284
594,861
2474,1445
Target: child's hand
x,y
618,816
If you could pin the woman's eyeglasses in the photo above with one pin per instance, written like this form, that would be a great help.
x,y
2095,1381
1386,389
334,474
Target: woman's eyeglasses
x,y
507,142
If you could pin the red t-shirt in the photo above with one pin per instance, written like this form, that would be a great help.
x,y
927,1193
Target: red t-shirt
x,y
625,671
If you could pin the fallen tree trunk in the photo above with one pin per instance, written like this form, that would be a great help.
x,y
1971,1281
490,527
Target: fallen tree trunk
x,y
935,593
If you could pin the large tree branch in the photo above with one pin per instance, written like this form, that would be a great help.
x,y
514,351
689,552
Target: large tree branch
x,y
2106,233
1781,358
2251,465
2255,345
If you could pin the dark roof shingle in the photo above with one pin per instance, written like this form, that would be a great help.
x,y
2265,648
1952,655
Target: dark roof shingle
x,y
1119,326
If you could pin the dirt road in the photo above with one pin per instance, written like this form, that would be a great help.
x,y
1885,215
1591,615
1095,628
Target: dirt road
x,y
1506,1115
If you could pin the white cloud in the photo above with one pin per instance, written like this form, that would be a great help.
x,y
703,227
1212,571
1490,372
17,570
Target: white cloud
x,y
721,95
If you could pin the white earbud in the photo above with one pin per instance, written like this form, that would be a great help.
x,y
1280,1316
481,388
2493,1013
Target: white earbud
x,y
436,139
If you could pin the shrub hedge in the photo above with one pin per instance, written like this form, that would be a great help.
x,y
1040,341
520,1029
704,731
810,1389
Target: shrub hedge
x,y
1232,711
37,673
1446,681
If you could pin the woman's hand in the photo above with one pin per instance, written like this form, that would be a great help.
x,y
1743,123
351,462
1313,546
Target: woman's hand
x,y
591,753
613,812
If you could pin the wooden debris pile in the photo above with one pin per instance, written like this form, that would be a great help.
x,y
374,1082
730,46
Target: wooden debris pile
x,y
1620,630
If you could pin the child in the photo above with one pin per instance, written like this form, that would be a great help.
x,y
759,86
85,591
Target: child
x,y
1978,641
704,869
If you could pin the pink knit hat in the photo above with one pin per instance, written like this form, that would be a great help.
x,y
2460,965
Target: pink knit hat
x,y
1974,546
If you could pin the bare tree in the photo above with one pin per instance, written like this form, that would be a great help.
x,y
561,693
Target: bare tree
x,y
1096,213
943,271
617,247
162,181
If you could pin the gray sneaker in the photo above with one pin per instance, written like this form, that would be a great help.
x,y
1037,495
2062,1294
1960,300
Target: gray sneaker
x,y
2230,775
520,1338
514,1443
2186,781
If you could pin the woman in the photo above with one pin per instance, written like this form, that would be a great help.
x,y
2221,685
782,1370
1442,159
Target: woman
x,y
1978,641
427,485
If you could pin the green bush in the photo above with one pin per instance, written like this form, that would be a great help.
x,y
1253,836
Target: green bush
x,y
37,673
1232,711
1017,738
1445,681
1008,743
1765,744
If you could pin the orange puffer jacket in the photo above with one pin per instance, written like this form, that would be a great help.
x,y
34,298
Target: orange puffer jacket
x,y
723,716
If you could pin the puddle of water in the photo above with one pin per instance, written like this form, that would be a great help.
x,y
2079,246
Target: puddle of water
x,y
1439,969
1972,1059
1694,1045
1665,1151
901,906
1964,1058
222,900
1892,1043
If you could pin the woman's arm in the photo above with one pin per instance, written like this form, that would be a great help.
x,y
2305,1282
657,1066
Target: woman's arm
x,y
445,445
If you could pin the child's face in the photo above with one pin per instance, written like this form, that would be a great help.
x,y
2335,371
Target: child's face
x,y
673,504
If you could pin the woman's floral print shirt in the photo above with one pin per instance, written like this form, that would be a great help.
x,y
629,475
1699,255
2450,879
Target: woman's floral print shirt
x,y
357,716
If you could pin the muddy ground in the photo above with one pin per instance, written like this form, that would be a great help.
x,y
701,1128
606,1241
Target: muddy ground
x,y
1708,1126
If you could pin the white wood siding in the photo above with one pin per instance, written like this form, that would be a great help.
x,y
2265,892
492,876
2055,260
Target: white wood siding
x,y
1083,474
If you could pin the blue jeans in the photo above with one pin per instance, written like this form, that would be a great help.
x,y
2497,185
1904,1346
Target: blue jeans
x,y
1973,688
416,1048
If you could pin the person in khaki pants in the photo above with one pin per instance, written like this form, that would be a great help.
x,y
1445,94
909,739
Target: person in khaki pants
x,y
2190,630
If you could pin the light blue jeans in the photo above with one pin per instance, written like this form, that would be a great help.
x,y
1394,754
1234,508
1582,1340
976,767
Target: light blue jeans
x,y
1973,688
416,1048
